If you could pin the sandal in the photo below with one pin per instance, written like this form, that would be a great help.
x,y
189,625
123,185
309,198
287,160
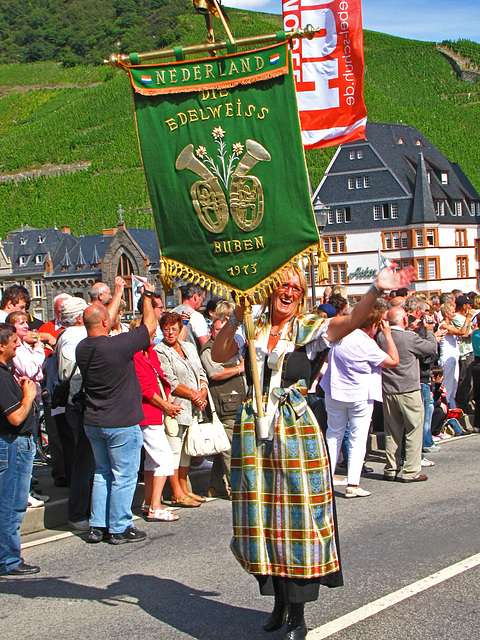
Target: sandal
x,y
185,501
356,492
161,515
196,497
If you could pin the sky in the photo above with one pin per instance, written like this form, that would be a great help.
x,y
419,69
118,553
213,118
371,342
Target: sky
x,y
431,20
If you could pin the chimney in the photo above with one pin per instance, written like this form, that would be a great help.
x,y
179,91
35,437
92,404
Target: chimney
x,y
109,232
48,264
65,229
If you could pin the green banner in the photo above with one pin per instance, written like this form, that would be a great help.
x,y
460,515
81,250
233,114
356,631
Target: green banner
x,y
224,162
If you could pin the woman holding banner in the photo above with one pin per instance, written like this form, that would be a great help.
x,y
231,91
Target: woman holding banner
x,y
283,512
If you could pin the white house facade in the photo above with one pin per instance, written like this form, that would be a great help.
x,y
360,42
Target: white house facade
x,y
396,196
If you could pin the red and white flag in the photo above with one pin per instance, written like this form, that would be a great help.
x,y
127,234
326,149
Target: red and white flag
x,y
328,70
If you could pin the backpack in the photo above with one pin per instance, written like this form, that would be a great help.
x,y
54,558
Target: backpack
x,y
54,391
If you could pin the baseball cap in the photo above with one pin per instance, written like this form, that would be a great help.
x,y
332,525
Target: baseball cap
x,y
329,309
461,300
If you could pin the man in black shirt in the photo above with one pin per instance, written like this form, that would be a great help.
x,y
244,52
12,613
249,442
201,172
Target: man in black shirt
x,y
112,416
17,450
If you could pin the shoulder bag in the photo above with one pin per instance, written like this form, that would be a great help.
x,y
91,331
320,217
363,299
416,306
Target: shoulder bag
x,y
206,438
61,390
79,399
170,423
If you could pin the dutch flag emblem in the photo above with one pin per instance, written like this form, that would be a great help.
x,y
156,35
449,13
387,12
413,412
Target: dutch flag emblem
x,y
146,79
275,58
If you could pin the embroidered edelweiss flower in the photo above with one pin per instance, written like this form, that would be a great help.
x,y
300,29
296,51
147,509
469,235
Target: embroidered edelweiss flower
x,y
201,151
218,133
237,148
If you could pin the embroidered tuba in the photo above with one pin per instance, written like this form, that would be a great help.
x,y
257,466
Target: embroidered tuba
x,y
246,192
207,195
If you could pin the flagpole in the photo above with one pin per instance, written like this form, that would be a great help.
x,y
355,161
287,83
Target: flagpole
x,y
250,334
118,59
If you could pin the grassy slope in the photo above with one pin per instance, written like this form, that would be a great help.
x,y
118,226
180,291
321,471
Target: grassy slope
x,y
405,80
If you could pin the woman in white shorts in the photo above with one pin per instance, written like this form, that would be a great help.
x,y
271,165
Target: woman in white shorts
x,y
159,463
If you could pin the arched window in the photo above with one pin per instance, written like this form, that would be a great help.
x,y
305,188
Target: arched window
x,y
125,270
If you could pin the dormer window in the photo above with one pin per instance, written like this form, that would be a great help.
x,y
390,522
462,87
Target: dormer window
x,y
444,178
41,239
23,241
39,258
429,176
356,154
419,143
400,141
22,261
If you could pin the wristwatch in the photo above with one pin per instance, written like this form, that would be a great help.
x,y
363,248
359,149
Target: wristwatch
x,y
149,294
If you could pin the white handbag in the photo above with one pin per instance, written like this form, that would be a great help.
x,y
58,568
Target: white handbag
x,y
206,438
169,422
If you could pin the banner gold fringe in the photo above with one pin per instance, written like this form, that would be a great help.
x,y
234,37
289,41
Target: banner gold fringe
x,y
170,269
227,84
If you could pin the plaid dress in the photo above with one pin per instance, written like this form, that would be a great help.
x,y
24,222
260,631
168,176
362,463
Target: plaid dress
x,y
281,489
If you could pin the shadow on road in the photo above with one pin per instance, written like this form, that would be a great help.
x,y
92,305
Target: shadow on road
x,y
191,611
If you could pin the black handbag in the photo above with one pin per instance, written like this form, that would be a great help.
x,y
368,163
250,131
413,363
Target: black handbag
x,y
79,399
61,391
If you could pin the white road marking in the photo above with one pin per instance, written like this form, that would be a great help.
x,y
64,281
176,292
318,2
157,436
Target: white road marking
x,y
368,610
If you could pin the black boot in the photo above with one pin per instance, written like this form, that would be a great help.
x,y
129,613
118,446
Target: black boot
x,y
296,627
277,618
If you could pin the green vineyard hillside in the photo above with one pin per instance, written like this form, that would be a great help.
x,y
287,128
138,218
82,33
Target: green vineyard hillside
x,y
81,119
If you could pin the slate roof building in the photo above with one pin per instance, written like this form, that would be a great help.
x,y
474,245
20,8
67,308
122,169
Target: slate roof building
x,y
50,261
395,194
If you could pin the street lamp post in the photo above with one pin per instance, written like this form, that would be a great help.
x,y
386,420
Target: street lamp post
x,y
321,212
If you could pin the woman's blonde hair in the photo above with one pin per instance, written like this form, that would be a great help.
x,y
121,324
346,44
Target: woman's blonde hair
x,y
134,323
224,309
447,306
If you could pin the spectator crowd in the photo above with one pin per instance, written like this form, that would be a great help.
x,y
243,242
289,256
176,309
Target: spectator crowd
x,y
111,390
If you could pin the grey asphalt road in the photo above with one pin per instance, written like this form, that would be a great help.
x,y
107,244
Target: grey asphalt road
x,y
183,582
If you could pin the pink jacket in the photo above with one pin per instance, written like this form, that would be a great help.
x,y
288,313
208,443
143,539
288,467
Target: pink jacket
x,y
147,371
28,362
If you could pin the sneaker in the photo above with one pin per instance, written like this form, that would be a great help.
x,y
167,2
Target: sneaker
x,y
38,495
433,449
427,463
356,492
129,535
444,436
436,438
339,482
80,525
97,535
33,502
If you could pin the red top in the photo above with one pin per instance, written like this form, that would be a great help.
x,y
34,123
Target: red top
x,y
51,328
147,370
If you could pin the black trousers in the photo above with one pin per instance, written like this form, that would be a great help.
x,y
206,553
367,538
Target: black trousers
x,y
463,397
476,390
